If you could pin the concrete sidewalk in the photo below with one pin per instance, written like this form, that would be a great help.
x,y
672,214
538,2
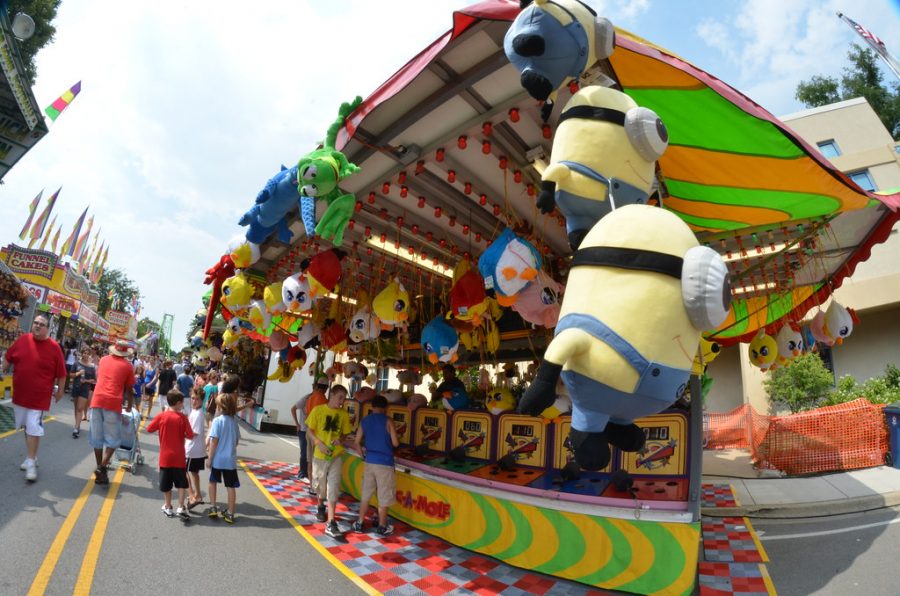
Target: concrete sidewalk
x,y
766,494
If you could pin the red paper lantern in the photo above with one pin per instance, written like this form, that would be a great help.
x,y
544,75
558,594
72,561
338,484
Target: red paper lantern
x,y
421,202
437,211
429,236
420,166
467,188
517,176
530,189
462,142
546,131
503,163
487,128
496,210
514,114
451,176
357,207
452,221
439,154
385,188
401,177
486,147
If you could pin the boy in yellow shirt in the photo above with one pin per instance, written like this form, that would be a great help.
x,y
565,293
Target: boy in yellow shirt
x,y
329,424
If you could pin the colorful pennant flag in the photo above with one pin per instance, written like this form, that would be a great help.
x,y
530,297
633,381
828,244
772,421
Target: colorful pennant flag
x,y
62,102
81,243
874,42
37,230
95,266
55,240
31,209
68,247
46,237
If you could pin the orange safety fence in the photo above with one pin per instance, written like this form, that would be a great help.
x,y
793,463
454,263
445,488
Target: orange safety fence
x,y
843,437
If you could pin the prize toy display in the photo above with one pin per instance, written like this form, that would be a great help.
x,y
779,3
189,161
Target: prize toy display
x,y
13,296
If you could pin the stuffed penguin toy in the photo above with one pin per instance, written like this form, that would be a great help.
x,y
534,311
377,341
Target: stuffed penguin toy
x,y
551,41
640,291
604,157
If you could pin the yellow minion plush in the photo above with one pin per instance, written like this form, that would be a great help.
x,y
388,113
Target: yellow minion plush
x,y
640,291
604,157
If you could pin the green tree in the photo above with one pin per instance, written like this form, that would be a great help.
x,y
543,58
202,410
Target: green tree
x,y
122,288
146,325
43,12
862,78
801,384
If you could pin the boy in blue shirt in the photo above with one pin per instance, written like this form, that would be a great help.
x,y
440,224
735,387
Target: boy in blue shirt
x,y
224,435
378,434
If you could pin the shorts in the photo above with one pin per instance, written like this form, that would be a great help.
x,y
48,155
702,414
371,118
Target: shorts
x,y
106,429
327,478
31,420
169,477
81,392
149,392
379,478
228,477
196,464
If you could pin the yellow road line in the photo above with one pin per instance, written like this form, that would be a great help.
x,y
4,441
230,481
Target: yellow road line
x,y
42,579
767,580
12,432
309,538
89,563
759,546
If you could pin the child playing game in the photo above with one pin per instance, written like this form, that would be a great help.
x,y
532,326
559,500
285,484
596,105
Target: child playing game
x,y
379,436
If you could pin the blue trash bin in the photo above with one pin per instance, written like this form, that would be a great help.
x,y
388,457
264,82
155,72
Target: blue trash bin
x,y
892,414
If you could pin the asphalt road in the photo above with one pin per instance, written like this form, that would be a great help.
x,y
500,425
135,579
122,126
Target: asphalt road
x,y
846,554
63,534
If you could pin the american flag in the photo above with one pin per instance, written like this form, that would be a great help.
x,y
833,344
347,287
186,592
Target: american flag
x,y
874,42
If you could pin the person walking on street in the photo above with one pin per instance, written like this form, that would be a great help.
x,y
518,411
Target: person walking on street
x,y
167,378
300,423
39,363
174,428
185,382
83,379
115,378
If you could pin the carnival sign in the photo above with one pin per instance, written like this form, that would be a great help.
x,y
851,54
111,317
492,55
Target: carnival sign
x,y
38,292
31,262
62,303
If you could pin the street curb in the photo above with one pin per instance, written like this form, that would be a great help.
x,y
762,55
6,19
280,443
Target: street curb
x,y
802,510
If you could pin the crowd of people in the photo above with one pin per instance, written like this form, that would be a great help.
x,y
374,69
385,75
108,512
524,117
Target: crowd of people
x,y
105,388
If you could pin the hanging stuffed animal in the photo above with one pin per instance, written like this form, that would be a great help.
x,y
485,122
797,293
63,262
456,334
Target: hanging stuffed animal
x,y
834,325
499,400
552,41
707,352
763,351
364,325
640,291
391,305
364,394
242,253
410,377
468,299
257,314
440,341
323,271
216,275
237,294
508,265
416,401
320,172
273,204
393,396
295,294
604,156
273,299
789,343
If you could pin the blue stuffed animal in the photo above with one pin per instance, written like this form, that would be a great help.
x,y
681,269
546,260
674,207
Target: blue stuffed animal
x,y
273,203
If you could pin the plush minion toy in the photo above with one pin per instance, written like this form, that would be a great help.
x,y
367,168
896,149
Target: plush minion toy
x,y
640,291
789,343
551,41
763,350
440,341
319,173
508,265
604,156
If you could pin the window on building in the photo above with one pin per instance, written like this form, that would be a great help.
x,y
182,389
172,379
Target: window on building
x,y
383,374
863,179
829,148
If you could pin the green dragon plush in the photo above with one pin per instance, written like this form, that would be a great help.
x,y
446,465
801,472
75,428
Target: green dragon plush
x,y
319,173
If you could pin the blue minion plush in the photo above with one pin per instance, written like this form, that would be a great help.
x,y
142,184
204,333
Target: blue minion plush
x,y
551,41
640,291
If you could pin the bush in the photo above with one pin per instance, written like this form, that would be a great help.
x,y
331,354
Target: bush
x,y
801,384
878,390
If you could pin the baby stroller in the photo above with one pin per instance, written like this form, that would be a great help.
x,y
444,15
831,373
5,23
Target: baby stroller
x,y
130,450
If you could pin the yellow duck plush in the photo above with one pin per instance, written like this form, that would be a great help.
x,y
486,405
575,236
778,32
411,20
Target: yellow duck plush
x,y
499,400
391,305
763,351
706,353
640,291
236,294
604,157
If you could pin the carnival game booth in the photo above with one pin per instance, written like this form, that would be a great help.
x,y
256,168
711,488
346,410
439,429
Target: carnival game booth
x,y
454,216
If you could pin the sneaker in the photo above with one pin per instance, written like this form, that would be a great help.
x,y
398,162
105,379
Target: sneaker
x,y
23,467
385,530
213,512
76,432
312,491
320,513
182,513
167,511
358,526
228,517
332,529
100,476
30,471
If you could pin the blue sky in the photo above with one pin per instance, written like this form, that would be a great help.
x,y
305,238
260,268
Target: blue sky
x,y
185,113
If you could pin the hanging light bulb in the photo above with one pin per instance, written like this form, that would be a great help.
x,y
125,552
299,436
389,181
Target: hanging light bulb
x,y
358,206
546,131
421,202
503,162
404,191
401,178
467,188
439,154
386,188
462,142
482,199
487,129
371,198
517,176
420,166
437,211
514,114
486,147
451,176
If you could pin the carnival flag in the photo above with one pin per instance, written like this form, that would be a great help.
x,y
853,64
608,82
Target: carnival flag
x,y
47,234
37,230
874,42
95,266
81,243
62,102
85,265
31,209
68,247
55,240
